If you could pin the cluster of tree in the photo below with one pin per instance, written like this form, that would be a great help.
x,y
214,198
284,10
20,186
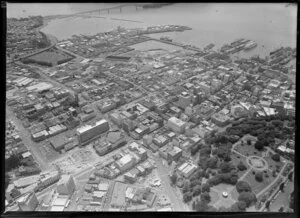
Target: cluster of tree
x,y
195,149
245,193
266,128
12,162
229,178
239,206
201,204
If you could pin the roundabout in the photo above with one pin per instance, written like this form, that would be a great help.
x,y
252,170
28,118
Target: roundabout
x,y
257,163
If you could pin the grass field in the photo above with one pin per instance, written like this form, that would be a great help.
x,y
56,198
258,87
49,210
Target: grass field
x,y
50,56
255,185
234,194
273,164
247,150
214,197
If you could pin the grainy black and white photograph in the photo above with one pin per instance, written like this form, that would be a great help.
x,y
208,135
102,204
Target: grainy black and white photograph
x,y
186,107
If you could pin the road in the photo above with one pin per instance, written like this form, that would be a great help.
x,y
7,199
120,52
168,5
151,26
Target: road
x,y
26,139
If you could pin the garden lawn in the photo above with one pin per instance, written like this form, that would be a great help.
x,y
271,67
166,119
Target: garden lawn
x,y
272,164
255,185
247,150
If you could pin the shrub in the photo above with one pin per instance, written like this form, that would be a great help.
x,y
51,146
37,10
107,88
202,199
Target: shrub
x,y
205,187
276,157
187,197
259,177
205,197
241,166
196,190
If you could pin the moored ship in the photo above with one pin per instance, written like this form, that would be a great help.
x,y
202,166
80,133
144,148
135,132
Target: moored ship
x,y
250,45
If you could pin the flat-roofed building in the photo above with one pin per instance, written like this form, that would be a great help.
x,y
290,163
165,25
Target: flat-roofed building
x,y
220,119
187,169
126,162
88,132
176,125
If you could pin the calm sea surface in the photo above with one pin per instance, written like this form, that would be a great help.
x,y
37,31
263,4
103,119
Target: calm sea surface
x,y
270,25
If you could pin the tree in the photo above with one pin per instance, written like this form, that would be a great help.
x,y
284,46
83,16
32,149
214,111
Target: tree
x,y
187,197
196,190
241,166
195,149
290,176
259,176
199,205
212,162
195,183
226,167
11,163
173,178
205,197
186,187
291,205
268,205
241,205
205,187
248,142
247,197
281,187
242,186
259,145
276,157
227,157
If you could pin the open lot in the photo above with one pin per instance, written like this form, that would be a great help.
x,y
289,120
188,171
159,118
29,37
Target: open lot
x,y
255,185
152,45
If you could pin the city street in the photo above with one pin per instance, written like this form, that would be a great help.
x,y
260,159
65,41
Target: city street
x,y
26,139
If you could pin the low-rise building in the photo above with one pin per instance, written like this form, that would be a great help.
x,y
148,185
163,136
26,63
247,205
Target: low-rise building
x,y
220,119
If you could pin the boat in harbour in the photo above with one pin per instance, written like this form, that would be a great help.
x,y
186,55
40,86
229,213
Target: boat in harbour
x,y
250,45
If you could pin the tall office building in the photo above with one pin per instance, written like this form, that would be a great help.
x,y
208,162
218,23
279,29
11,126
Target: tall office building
x,y
85,133
66,185
184,100
28,202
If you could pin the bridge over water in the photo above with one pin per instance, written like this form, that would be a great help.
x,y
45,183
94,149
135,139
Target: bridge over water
x,y
137,6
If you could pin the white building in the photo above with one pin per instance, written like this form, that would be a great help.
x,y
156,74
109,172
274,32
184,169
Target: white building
x,y
176,125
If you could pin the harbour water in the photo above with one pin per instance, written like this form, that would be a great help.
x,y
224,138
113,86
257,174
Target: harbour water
x,y
270,25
